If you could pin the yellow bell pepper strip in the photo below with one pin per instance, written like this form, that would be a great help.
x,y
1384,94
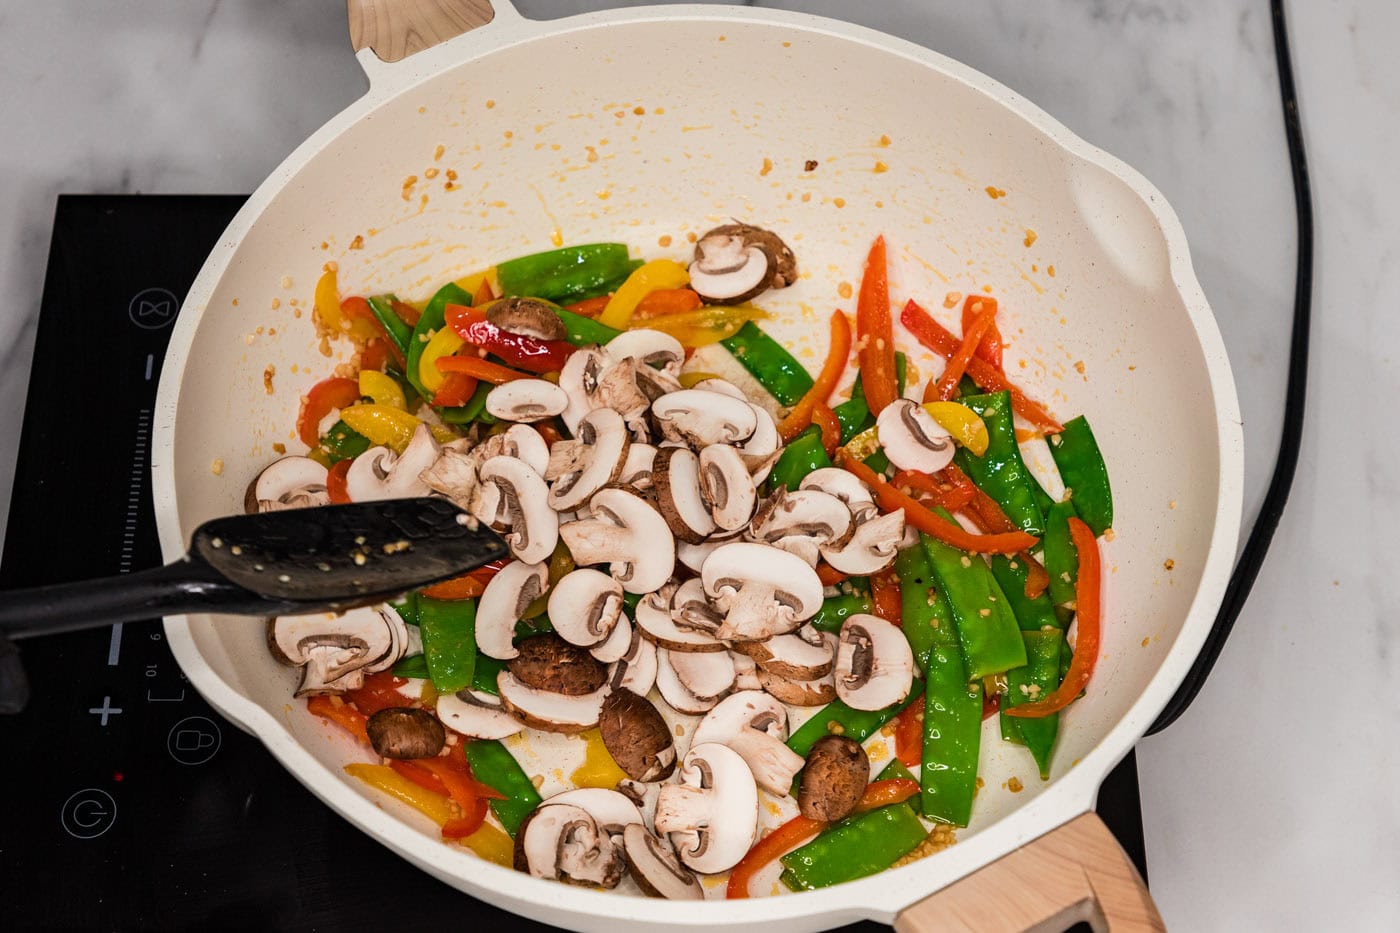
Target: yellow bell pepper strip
x,y
326,306
385,390
389,427
471,284
711,324
966,426
490,843
443,344
690,380
383,778
598,768
652,276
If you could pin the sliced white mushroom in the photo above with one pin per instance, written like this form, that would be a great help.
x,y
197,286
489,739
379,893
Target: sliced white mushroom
x,y
611,810
379,473
727,486
475,719
792,656
912,439
635,670
801,522
712,816
676,479
706,674
289,483
534,526
765,440
656,868
585,606
874,663
745,672
453,475
702,418
637,469
763,591
335,652
691,609
722,386
755,725
616,644
503,603
563,843
526,400
589,463
818,692
629,535
845,486
619,388
676,694
656,623
549,711
873,546
647,346
525,443
579,379
643,794
693,556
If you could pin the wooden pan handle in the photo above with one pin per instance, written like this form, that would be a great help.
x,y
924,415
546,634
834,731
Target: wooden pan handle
x,y
1075,873
395,29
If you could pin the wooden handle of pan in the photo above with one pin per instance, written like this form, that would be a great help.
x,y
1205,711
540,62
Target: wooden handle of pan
x,y
395,29
1075,873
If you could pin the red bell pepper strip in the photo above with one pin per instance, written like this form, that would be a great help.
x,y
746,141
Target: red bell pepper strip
x,y
323,398
1086,614
418,775
992,344
517,350
886,792
921,518
378,352
829,575
875,333
378,692
947,383
406,312
484,370
837,354
909,735
455,390
548,431
335,482
659,303
463,587
934,336
984,511
943,493
991,705
1037,578
824,418
884,595
355,308
341,713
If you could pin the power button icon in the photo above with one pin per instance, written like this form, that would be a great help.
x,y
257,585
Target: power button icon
x,y
88,813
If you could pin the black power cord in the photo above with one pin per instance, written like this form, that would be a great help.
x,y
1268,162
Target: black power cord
x,y
1295,396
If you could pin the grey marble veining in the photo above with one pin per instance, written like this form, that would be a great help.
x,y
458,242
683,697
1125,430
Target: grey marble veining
x,y
1272,804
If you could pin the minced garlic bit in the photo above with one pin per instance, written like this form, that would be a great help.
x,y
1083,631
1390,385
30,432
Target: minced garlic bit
x,y
994,192
835,728
279,448
951,299
839,202
767,167
664,240
1169,563
437,153
810,165
268,373
845,290
1171,504
1030,238
939,839
1109,534
680,730
880,167
966,561
286,281
1014,785
276,303
884,140
217,467
358,242
359,559
537,780
984,613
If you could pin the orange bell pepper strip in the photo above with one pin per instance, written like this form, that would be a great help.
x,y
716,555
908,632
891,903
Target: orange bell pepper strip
x,y
921,518
886,792
957,364
483,294
1086,614
341,713
992,343
884,595
484,370
942,492
830,576
418,775
463,587
786,837
455,390
909,735
986,513
667,301
824,418
1037,579
589,307
335,483
837,354
323,398
937,338
406,312
875,333
378,692
548,431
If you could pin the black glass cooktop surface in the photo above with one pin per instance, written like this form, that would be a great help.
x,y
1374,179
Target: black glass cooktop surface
x,y
132,805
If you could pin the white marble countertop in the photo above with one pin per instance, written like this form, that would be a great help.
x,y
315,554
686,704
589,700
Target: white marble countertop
x,y
1271,804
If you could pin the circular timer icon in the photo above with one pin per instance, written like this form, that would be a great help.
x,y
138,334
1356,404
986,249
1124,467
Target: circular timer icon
x,y
88,813
153,308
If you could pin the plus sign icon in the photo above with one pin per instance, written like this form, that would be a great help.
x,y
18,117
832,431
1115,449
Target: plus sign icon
x,y
153,308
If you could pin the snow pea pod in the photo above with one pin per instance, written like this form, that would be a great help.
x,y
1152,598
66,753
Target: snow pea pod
x,y
770,363
432,320
1031,614
987,629
1036,680
1001,472
584,331
1061,559
448,628
394,326
1082,467
565,275
799,458
836,609
493,765
854,848
836,718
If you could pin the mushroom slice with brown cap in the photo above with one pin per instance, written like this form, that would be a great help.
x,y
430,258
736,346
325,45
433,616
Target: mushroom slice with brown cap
x,y
548,662
817,692
636,737
702,418
833,779
727,486
502,604
615,646
629,535
655,620
912,439
379,473
801,522
405,732
563,843
712,815
845,486
464,713
706,674
534,526
676,479
579,379
585,606
289,483
636,670
336,651
676,694
529,317
792,656
612,810
755,725
526,400
737,261
549,711
873,546
763,591
637,469
656,869
594,460
874,664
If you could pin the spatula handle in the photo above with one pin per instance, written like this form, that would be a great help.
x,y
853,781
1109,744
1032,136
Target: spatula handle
x,y
1075,873
170,590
